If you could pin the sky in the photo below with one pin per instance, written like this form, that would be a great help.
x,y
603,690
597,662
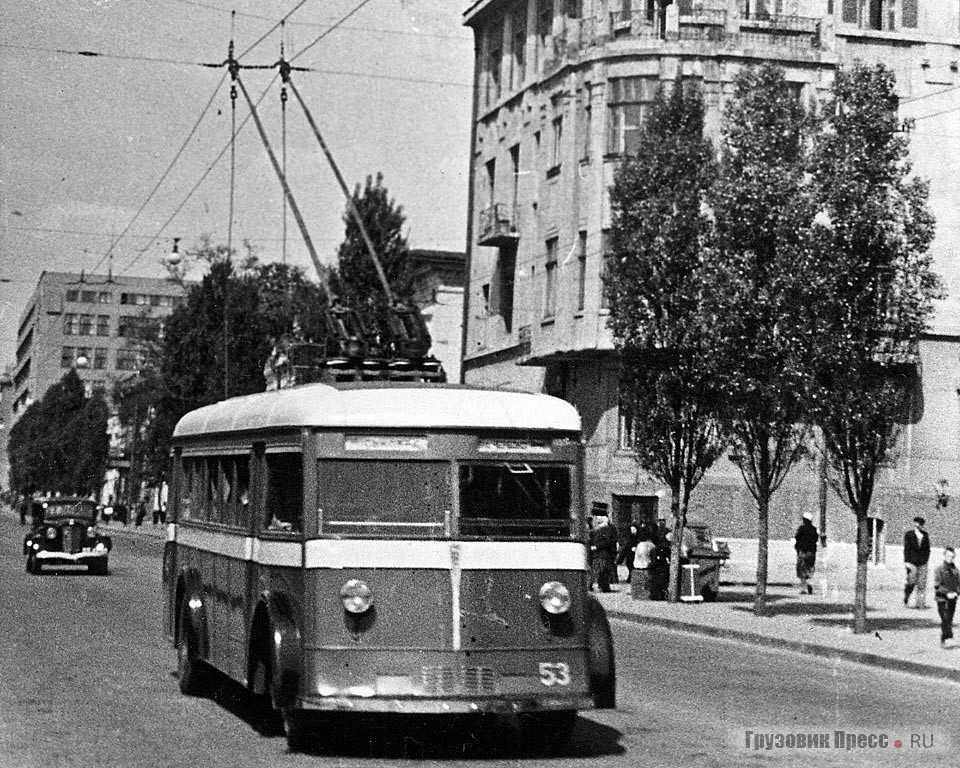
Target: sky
x,y
105,158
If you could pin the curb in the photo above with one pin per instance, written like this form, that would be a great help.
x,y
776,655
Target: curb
x,y
813,649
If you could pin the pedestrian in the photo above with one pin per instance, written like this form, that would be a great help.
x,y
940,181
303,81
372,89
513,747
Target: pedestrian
x,y
155,503
805,542
603,547
946,585
141,511
628,549
916,555
107,511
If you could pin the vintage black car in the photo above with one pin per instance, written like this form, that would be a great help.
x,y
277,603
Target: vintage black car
x,y
64,532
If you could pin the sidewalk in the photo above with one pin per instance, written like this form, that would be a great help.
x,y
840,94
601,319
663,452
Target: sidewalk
x,y
899,637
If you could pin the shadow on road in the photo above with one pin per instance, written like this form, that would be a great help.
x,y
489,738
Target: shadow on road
x,y
411,737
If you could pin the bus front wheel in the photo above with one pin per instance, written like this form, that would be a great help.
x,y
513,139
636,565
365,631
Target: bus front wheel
x,y
546,732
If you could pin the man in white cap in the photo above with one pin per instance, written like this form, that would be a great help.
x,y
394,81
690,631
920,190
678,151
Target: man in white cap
x,y
805,542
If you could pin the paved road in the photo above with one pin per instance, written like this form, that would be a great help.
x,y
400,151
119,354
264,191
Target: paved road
x,y
88,681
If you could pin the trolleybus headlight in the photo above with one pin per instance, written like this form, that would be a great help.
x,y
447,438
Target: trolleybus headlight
x,y
356,596
554,597
51,533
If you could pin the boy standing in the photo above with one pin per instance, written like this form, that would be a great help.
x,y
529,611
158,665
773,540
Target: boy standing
x,y
946,585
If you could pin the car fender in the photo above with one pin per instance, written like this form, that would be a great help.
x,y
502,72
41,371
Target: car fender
x,y
192,607
276,628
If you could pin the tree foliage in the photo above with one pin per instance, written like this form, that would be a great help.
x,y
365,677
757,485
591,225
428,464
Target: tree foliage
x,y
874,289
752,296
356,282
660,234
60,443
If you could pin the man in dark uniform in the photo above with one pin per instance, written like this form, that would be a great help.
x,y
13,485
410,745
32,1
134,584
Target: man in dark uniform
x,y
805,542
916,555
603,547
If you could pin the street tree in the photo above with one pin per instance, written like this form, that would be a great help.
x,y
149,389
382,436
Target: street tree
x,y
752,304
60,444
870,292
660,235
356,282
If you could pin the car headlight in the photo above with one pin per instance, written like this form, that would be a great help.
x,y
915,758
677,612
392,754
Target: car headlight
x,y
91,531
51,533
356,596
555,597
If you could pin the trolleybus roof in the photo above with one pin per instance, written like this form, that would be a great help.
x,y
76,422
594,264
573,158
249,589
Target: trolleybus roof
x,y
385,406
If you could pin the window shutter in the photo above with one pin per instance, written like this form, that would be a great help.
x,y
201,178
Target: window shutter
x,y
850,8
910,13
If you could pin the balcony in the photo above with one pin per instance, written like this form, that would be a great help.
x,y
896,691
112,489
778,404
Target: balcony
x,y
498,226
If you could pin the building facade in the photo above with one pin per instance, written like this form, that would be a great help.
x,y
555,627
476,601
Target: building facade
x,y
438,279
561,88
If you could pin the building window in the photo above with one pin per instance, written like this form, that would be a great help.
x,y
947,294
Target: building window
x,y
485,292
71,324
494,62
627,103
103,325
136,327
557,148
519,25
73,295
104,297
626,435
585,127
607,256
86,325
88,297
67,356
100,358
581,271
880,14
550,282
506,267
544,24
128,359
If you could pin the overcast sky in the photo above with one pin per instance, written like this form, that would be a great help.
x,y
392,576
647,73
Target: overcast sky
x,y
85,140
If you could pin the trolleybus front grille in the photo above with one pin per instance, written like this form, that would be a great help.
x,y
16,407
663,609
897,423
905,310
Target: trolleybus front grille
x,y
443,680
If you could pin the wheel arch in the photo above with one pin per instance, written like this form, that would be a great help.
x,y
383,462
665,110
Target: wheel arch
x,y
276,639
191,606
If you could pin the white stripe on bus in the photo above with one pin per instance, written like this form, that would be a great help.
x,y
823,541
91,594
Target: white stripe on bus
x,y
474,555
397,553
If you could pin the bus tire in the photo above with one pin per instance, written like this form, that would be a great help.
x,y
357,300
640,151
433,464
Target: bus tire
x,y
296,729
191,670
546,732
601,666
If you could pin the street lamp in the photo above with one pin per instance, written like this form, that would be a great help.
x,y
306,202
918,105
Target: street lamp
x,y
174,258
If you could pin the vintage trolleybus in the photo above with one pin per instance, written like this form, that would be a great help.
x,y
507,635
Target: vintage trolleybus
x,y
387,548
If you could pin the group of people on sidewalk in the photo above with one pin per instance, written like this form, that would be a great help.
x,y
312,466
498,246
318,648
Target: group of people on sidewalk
x,y
916,557
643,548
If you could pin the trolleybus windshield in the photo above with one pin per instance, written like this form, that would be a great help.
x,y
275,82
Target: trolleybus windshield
x,y
511,499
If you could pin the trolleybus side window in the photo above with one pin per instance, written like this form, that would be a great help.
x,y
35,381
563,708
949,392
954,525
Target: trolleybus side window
x,y
515,499
403,499
190,484
284,510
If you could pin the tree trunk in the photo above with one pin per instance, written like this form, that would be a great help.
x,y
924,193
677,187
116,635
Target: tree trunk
x,y
673,589
763,546
860,586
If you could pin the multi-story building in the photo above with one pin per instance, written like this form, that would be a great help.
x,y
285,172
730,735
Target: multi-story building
x,y
561,88
438,280
94,324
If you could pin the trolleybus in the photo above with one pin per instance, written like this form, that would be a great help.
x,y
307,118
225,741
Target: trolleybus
x,y
372,547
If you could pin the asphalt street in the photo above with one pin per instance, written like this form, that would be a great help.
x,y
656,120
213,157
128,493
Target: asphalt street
x,y
89,681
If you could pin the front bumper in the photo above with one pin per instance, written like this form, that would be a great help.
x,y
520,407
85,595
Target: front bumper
x,y
99,552
421,706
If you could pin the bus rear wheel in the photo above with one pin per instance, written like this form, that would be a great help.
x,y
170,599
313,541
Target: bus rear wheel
x,y
546,732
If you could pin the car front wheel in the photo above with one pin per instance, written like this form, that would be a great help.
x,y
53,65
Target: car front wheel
x,y
33,565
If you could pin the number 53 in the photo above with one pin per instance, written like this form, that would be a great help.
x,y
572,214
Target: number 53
x,y
554,673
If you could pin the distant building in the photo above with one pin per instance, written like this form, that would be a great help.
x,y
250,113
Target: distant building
x,y
94,324
439,277
561,88
6,416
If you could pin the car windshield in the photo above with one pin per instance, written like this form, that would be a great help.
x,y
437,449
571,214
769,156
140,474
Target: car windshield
x,y
515,500
61,508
